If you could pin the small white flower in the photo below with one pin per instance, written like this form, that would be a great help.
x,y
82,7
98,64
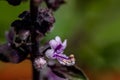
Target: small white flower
x,y
39,63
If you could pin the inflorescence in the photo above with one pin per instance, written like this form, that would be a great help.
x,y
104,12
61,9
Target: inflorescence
x,y
19,43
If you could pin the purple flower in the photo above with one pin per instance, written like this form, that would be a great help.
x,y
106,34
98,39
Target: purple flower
x,y
56,52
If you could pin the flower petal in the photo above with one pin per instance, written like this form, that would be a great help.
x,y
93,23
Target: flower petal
x,y
64,44
58,39
53,44
65,60
50,53
60,57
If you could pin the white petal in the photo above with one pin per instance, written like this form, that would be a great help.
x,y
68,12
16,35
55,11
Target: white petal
x,y
49,53
70,64
61,62
64,44
39,63
58,39
53,44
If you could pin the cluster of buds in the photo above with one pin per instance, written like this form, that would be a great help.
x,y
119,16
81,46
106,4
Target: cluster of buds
x,y
19,37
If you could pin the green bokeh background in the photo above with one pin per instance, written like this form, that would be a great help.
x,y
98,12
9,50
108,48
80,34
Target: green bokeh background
x,y
92,28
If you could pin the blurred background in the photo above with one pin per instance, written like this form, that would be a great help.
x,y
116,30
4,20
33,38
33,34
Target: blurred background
x,y
92,28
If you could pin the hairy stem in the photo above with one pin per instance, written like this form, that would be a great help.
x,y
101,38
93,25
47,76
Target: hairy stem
x,y
35,43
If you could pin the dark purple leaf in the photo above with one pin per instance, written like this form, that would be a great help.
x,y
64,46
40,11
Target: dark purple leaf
x,y
76,71
59,74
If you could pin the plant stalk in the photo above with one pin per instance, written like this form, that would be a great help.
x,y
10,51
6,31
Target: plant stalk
x,y
35,44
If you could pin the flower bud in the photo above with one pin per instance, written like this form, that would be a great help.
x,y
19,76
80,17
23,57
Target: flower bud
x,y
54,4
14,2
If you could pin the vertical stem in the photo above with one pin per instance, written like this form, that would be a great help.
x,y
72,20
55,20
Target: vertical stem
x,y
35,43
